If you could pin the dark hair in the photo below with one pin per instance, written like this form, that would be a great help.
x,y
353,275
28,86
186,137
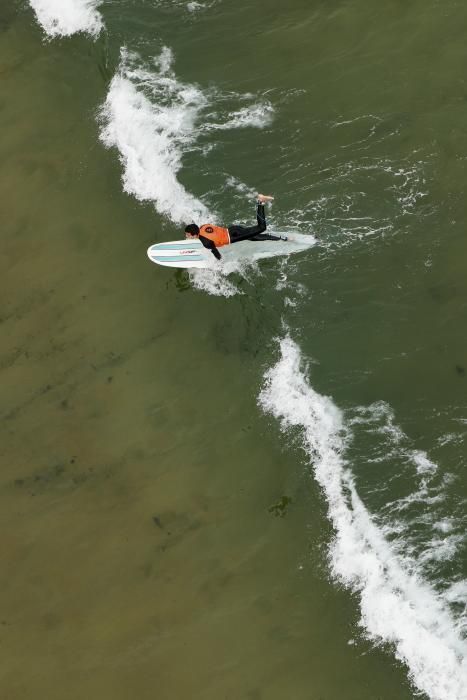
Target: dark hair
x,y
193,229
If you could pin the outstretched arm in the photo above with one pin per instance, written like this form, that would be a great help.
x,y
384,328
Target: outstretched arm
x,y
211,246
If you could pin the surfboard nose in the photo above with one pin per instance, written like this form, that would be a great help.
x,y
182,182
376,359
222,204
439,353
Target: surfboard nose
x,y
185,253
150,251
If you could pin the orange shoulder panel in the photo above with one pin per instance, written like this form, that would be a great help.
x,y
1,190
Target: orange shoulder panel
x,y
217,234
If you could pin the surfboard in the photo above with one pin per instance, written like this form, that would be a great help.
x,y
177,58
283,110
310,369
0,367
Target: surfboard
x,y
184,253
192,254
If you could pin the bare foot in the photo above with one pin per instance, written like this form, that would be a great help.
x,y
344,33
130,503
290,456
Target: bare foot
x,y
263,198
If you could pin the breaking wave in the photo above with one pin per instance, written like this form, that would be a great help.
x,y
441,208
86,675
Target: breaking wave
x,y
397,604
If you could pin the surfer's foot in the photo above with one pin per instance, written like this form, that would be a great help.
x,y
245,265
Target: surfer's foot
x,y
263,198
284,238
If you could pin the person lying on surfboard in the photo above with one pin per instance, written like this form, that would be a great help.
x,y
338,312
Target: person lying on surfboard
x,y
214,237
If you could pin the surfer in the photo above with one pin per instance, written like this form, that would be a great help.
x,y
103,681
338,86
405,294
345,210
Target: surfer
x,y
214,237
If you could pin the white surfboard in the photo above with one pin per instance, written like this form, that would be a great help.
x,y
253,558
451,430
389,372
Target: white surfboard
x,y
192,253
185,253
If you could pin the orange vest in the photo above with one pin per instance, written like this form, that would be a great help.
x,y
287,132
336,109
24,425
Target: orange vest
x,y
218,235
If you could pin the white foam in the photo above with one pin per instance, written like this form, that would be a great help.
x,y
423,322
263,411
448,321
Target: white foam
x,y
150,117
194,6
67,17
379,418
444,525
457,593
441,549
213,282
450,439
397,605
423,464
414,522
257,116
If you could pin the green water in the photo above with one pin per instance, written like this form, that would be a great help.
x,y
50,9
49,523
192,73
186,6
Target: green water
x,y
160,536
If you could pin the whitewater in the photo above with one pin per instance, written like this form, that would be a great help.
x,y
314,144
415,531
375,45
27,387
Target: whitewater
x,y
397,604
67,17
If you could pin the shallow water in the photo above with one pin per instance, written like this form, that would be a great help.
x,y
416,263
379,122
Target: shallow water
x,y
184,512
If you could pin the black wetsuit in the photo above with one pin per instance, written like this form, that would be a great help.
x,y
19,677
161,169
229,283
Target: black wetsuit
x,y
244,233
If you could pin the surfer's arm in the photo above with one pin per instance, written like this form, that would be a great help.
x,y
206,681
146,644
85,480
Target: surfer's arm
x,y
211,246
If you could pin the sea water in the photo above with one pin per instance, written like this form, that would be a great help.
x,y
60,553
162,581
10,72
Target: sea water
x,y
246,482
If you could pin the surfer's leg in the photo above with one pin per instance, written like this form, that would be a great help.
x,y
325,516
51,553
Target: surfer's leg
x,y
239,233
261,217
243,233
264,237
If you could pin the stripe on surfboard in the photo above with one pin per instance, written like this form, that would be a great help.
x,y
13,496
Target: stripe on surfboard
x,y
173,246
177,258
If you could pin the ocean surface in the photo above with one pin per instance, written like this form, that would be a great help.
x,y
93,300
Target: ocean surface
x,y
247,483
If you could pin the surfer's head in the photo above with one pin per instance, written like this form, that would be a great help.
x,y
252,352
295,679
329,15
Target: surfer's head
x,y
191,230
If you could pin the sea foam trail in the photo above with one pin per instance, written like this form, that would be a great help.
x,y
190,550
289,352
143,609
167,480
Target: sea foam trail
x,y
152,118
149,116
397,607
67,17
416,510
257,115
